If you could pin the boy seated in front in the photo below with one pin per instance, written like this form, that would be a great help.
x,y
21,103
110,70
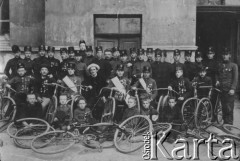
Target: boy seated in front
x,y
148,110
62,116
132,108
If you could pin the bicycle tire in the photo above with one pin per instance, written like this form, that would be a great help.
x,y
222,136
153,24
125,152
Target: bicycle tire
x,y
53,142
218,112
52,108
230,129
6,104
203,115
145,125
187,111
159,103
23,143
15,126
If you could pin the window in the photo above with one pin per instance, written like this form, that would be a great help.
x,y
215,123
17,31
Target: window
x,y
4,24
121,30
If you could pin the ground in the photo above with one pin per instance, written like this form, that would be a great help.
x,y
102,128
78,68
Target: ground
x,y
9,152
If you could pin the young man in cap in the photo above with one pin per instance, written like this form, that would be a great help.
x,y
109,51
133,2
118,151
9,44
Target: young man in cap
x,y
81,67
115,58
161,71
228,80
82,45
198,60
73,82
191,68
44,90
12,63
176,64
138,66
63,64
122,85
89,55
150,55
146,83
105,66
71,53
134,59
54,63
124,62
40,60
211,65
27,61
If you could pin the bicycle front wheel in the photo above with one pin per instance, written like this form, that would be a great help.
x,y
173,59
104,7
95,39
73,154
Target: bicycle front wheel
x,y
203,113
53,142
188,109
129,135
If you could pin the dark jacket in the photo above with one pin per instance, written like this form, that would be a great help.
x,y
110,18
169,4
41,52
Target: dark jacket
x,y
105,67
130,112
29,65
54,67
25,84
37,65
212,69
43,90
11,65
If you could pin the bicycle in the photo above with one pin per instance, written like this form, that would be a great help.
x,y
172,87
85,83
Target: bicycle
x,y
204,111
128,132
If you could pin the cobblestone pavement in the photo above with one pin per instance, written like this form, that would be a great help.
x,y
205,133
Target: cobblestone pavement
x,y
9,152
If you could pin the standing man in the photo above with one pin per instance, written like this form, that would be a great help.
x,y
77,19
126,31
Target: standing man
x,y
64,63
105,66
177,64
115,59
150,55
89,55
161,71
71,53
228,80
54,63
12,63
39,61
27,61
190,67
82,47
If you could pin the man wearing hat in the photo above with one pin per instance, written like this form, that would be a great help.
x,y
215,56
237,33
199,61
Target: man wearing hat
x,y
44,89
40,60
54,63
105,66
27,61
150,55
146,83
176,63
138,66
81,67
89,55
64,63
96,82
133,54
227,79
82,45
71,81
124,62
122,85
198,59
161,71
211,64
71,53
115,58
12,63
191,68
181,85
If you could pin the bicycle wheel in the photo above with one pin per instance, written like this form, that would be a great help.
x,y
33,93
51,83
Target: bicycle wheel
x,y
230,129
52,108
109,110
162,127
129,135
8,109
218,112
35,127
25,143
159,103
188,109
53,142
203,114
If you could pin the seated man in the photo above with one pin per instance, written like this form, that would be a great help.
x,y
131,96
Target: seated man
x,y
148,110
62,116
131,110
147,84
29,107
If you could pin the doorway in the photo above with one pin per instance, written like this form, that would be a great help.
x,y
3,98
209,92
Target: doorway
x,y
123,31
218,27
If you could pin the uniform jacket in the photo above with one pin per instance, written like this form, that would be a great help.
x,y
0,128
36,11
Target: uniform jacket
x,y
43,90
76,80
37,65
54,66
63,69
127,70
11,65
29,65
88,60
174,66
212,68
105,67
191,70
228,76
25,84
151,84
82,116
182,86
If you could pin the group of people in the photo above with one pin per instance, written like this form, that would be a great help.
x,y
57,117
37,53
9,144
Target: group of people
x,y
121,70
